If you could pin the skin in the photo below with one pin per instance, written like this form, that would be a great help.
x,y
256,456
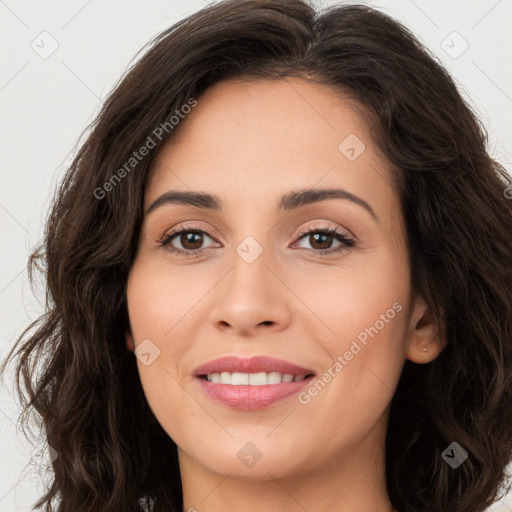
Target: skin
x,y
249,143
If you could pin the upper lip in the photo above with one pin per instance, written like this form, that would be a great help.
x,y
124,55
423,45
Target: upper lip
x,y
251,365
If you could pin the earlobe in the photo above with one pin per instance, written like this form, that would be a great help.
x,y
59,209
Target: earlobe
x,y
425,340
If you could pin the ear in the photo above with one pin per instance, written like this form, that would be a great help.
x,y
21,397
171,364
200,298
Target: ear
x,y
425,341
129,341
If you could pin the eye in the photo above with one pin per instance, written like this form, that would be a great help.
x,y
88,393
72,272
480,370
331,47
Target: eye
x,y
321,239
189,240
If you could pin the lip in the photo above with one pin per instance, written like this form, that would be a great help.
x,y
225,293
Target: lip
x,y
250,398
251,365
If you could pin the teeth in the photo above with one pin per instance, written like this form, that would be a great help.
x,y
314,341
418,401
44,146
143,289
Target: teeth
x,y
274,378
252,379
257,379
239,379
225,378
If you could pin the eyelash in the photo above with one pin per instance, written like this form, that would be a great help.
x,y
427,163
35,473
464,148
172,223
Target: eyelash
x,y
346,241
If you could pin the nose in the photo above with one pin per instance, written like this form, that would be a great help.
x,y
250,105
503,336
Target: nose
x,y
252,298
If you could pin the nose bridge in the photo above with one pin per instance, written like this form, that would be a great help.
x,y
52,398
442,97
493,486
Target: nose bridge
x,y
250,273
252,246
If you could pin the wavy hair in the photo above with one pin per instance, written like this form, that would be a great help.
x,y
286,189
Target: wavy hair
x,y
73,372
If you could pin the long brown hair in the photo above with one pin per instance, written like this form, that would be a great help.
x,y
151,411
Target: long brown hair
x,y
73,370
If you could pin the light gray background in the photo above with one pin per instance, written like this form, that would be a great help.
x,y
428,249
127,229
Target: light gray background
x,y
46,103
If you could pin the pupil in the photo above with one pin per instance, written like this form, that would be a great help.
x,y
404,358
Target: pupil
x,y
191,238
324,244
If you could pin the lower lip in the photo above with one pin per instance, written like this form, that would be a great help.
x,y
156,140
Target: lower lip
x,y
250,398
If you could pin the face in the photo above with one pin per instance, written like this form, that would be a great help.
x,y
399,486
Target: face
x,y
307,295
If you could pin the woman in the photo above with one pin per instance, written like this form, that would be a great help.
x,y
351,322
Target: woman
x,y
291,219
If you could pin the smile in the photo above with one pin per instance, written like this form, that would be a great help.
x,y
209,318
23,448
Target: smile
x,y
252,379
251,384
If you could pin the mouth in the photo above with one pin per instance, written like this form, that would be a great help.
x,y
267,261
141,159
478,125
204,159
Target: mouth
x,y
251,384
253,379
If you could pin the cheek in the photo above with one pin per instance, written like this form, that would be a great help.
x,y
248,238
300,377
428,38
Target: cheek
x,y
160,298
160,304
365,310
355,297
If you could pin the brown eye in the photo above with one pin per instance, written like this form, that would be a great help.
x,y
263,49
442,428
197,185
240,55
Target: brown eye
x,y
186,241
191,240
320,241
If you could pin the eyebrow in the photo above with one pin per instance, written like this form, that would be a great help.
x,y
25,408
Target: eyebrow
x,y
289,201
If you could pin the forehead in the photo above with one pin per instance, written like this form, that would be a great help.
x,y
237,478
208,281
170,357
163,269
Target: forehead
x,y
255,140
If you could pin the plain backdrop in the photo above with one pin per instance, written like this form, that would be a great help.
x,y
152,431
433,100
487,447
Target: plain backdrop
x,y
61,58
